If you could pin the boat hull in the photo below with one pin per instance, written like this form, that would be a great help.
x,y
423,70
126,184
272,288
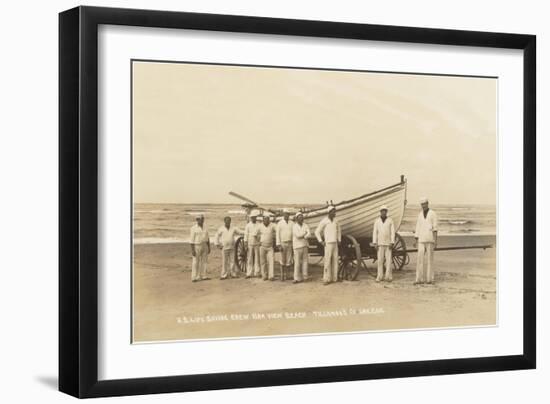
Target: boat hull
x,y
356,217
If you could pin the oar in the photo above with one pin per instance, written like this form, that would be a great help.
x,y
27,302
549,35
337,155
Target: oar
x,y
244,198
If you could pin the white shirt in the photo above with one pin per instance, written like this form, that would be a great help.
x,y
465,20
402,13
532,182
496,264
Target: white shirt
x,y
300,235
226,237
252,233
329,231
284,231
426,226
198,235
383,232
267,234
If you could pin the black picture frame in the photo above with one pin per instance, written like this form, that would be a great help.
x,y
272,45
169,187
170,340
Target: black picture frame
x,y
78,201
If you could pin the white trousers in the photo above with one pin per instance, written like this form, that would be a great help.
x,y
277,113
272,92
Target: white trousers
x,y
425,253
198,266
253,264
301,263
228,263
384,257
267,262
286,253
330,273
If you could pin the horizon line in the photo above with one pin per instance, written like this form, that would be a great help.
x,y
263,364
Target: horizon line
x,y
301,203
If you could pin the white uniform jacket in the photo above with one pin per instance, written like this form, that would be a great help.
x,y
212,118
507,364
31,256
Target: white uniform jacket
x,y
383,232
198,235
329,230
425,226
267,235
226,237
284,231
252,233
300,234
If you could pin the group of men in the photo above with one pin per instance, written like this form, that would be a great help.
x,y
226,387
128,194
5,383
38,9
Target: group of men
x,y
290,238
287,236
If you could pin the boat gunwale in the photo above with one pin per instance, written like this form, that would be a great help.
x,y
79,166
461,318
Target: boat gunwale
x,y
370,194
354,202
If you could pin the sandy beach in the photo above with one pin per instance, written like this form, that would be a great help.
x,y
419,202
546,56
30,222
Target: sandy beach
x,y
168,306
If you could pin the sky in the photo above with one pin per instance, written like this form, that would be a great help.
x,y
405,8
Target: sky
x,y
281,135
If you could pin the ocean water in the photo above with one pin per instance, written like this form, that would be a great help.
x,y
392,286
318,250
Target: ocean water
x,y
170,223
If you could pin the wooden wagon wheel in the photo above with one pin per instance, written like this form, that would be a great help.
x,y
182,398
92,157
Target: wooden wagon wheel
x,y
400,257
347,267
240,254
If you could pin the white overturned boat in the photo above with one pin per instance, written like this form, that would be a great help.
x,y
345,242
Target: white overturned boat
x,y
356,216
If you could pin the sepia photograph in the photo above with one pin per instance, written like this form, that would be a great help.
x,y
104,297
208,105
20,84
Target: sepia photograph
x,y
273,201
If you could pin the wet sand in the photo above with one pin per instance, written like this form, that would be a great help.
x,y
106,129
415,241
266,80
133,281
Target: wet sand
x,y
168,306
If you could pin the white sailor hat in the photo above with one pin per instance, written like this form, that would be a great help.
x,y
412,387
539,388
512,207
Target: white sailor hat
x,y
423,200
199,215
384,207
254,212
287,210
267,214
331,208
298,214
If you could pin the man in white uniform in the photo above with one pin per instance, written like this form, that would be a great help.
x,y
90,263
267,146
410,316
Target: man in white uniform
x,y
225,240
300,234
328,233
267,242
426,238
200,248
284,242
383,239
252,241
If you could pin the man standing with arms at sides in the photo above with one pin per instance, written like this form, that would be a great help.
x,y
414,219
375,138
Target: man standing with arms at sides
x,y
225,240
267,242
328,233
300,234
426,238
284,242
252,241
200,248
383,239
